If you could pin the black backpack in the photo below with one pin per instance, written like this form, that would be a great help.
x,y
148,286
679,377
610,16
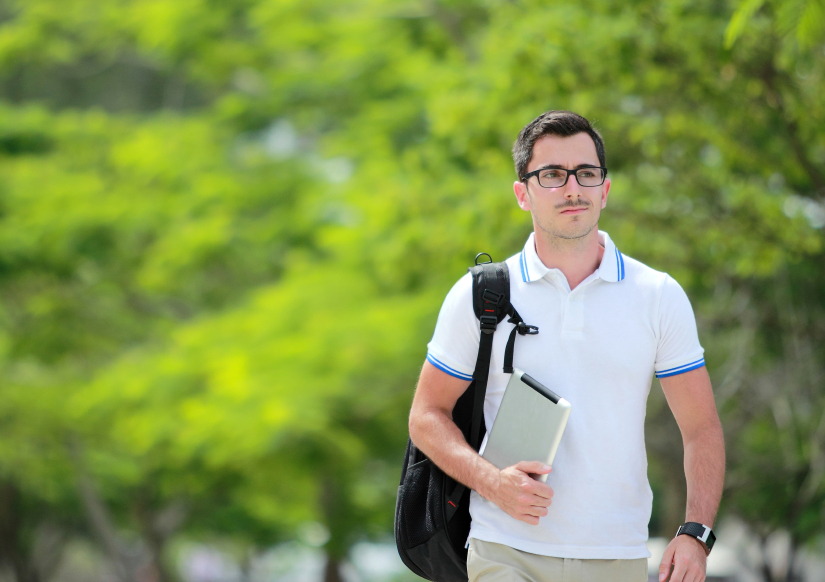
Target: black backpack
x,y
432,516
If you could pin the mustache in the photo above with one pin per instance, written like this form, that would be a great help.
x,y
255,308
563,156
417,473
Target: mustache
x,y
572,204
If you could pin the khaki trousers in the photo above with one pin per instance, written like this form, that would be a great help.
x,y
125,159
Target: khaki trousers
x,y
489,562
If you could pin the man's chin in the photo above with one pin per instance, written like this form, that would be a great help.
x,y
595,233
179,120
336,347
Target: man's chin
x,y
573,230
576,233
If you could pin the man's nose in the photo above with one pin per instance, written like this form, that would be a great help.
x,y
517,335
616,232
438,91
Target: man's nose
x,y
572,188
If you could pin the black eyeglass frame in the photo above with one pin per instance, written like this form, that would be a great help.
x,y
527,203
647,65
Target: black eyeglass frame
x,y
529,175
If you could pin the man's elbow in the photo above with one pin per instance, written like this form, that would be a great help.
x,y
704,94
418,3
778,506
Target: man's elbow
x,y
412,426
417,425
707,433
423,423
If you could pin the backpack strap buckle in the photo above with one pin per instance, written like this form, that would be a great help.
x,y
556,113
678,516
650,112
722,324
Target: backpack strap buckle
x,y
527,329
496,299
488,323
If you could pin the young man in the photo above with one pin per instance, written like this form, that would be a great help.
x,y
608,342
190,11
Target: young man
x,y
607,324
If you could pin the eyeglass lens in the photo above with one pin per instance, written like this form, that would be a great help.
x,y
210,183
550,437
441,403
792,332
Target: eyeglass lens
x,y
555,178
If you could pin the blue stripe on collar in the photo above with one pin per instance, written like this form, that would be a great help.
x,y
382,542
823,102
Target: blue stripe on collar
x,y
523,262
619,264
524,266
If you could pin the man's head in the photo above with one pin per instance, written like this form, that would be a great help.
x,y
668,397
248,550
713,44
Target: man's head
x,y
560,123
562,181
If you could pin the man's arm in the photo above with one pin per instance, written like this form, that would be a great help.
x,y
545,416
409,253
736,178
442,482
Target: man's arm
x,y
690,398
433,431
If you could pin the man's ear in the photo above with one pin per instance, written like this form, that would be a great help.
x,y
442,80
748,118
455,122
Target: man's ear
x,y
522,196
605,192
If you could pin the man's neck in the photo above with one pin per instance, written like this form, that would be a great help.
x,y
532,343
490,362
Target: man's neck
x,y
576,258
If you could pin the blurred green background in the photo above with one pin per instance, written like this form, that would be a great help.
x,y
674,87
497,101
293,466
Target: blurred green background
x,y
227,226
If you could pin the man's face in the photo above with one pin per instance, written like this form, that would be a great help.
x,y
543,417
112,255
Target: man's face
x,y
571,211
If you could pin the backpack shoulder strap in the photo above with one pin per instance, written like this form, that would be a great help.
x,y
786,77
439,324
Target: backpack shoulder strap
x,y
491,304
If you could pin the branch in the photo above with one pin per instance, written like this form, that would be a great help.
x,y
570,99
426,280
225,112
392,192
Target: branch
x,y
769,76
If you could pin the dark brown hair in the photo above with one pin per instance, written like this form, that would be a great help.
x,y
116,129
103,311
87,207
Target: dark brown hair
x,y
561,123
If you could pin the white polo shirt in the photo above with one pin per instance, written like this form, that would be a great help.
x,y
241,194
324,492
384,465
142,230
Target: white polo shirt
x,y
598,347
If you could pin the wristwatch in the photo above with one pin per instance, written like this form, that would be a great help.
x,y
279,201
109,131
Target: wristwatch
x,y
701,532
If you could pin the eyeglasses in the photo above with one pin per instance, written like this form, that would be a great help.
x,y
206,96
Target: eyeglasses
x,y
557,177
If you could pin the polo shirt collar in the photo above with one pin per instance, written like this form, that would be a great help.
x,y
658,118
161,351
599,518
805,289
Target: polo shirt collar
x,y
611,268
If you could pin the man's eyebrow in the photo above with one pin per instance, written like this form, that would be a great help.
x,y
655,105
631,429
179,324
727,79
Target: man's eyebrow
x,y
559,167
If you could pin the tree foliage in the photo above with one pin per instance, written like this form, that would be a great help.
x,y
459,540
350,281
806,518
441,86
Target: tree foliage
x,y
227,228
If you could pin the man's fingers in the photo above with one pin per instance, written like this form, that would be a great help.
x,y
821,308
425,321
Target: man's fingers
x,y
535,493
689,560
529,519
534,467
538,508
667,561
522,497
530,514
542,490
679,571
517,478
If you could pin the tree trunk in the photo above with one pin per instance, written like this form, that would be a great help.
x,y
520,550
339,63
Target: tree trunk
x,y
156,527
11,544
767,575
793,552
335,515
332,571
99,518
47,549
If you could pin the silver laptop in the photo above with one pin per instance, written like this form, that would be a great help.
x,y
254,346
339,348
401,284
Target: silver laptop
x,y
529,424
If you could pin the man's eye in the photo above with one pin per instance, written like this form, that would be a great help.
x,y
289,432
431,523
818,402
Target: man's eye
x,y
587,173
551,174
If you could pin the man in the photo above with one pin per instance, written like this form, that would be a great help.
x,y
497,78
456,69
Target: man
x,y
607,324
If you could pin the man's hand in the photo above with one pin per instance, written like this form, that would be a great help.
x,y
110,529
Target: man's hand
x,y
520,495
689,560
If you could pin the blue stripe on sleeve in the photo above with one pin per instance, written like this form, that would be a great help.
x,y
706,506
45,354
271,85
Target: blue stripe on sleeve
x,y
447,369
681,369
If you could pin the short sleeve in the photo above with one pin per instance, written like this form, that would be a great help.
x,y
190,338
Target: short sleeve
x,y
678,350
454,347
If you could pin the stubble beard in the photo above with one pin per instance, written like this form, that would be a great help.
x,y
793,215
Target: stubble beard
x,y
568,235
567,238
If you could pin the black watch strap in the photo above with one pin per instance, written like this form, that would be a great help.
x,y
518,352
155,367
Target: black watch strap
x,y
701,532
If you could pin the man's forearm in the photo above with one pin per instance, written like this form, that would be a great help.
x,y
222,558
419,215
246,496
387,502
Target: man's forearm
x,y
440,439
433,431
705,474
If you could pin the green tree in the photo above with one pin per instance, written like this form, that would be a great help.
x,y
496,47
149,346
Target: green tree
x,y
221,289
